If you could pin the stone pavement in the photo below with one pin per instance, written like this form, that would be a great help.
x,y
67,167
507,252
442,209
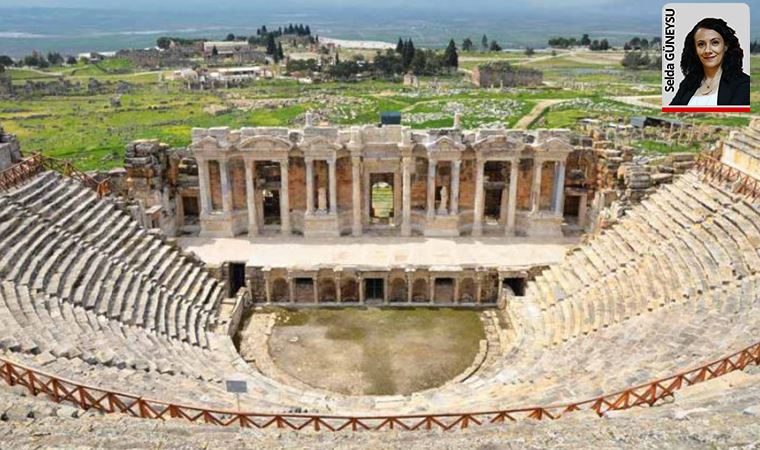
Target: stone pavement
x,y
381,252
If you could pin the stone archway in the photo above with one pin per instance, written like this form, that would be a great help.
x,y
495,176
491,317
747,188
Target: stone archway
x,y
468,291
398,292
280,290
420,291
349,290
327,291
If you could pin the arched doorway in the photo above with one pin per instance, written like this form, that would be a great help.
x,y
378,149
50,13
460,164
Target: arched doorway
x,y
381,210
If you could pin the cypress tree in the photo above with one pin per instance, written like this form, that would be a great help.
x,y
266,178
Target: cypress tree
x,y
450,56
400,47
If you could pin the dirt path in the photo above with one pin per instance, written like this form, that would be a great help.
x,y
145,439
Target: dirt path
x,y
534,113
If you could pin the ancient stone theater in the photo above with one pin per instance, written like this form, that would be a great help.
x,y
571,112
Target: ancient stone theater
x,y
612,292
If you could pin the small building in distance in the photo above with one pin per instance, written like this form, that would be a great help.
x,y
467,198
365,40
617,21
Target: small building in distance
x,y
239,51
503,74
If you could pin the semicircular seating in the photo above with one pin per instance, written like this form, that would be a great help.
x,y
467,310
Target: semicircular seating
x,y
89,295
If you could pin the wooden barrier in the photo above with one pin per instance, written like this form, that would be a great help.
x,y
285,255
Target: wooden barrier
x,y
31,166
89,397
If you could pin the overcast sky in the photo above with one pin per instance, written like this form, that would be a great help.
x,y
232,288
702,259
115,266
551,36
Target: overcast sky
x,y
458,6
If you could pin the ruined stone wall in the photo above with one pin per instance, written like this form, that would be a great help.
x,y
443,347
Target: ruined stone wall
x,y
10,150
215,185
524,183
467,185
344,173
297,183
237,182
419,184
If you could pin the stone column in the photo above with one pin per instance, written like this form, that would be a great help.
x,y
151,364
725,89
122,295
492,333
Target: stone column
x,y
431,189
356,195
284,197
315,285
559,188
409,285
267,288
333,186
250,196
338,296
226,190
291,289
204,188
477,221
360,280
454,203
535,191
431,289
514,166
406,220
456,289
582,210
309,186
478,288
385,290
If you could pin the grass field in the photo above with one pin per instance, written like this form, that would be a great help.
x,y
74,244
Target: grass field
x,y
93,134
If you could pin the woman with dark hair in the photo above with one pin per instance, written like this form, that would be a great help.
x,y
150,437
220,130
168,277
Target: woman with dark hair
x,y
711,63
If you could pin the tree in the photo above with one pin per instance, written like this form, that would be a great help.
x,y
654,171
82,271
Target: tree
x,y
408,54
70,60
419,63
55,58
585,40
307,31
495,47
280,53
6,60
230,37
163,42
450,56
484,42
467,45
214,51
604,44
400,46
271,45
529,51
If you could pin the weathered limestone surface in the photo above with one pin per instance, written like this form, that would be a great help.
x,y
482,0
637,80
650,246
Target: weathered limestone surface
x,y
334,166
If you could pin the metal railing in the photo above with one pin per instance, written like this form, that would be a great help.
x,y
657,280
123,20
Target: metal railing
x,y
715,169
107,401
31,166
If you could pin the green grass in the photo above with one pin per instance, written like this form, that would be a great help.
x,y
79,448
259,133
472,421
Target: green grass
x,y
665,147
87,130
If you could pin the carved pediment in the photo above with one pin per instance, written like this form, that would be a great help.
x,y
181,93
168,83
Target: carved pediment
x,y
553,145
499,142
319,144
265,143
445,144
206,143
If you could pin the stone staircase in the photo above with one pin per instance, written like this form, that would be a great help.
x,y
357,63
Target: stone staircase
x,y
686,240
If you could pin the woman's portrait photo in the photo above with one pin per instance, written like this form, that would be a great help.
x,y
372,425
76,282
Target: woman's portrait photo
x,y
712,67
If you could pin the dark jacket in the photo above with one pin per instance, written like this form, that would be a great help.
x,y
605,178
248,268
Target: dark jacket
x,y
730,92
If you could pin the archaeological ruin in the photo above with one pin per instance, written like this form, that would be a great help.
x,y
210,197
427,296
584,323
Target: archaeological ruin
x,y
603,284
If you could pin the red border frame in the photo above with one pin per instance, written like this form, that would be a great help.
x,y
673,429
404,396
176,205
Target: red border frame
x,y
706,109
